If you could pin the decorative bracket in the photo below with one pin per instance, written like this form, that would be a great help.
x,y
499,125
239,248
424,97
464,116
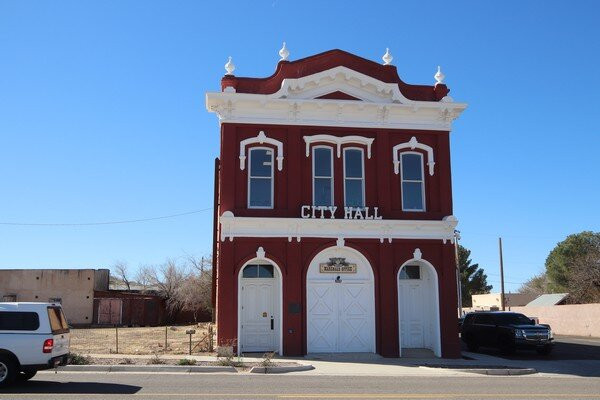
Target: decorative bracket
x,y
417,255
338,141
413,144
261,138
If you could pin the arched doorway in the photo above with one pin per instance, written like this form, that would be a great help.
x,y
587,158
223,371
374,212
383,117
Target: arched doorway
x,y
340,301
259,307
418,306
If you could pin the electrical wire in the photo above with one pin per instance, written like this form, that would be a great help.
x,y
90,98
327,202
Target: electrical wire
x,y
126,221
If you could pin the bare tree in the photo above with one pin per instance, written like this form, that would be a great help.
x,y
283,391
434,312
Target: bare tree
x,y
121,271
167,278
584,281
536,285
199,264
143,277
194,294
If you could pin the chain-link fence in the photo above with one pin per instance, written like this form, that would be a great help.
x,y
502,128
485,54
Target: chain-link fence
x,y
186,339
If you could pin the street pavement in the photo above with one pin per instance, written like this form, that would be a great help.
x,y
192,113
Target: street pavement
x,y
565,348
88,386
571,372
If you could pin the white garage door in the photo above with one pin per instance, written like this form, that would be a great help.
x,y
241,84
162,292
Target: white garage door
x,y
340,312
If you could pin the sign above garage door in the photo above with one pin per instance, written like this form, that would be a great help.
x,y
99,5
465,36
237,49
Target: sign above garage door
x,y
337,265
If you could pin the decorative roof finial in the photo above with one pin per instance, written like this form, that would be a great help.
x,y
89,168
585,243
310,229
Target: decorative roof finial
x,y
387,57
439,76
284,53
229,67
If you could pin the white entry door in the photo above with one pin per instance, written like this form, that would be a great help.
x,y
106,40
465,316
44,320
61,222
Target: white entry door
x,y
340,317
258,314
414,306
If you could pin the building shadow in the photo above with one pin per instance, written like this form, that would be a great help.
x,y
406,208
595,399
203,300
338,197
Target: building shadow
x,y
50,387
570,356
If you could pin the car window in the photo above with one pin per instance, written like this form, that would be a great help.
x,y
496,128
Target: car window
x,y
512,319
484,319
19,321
58,323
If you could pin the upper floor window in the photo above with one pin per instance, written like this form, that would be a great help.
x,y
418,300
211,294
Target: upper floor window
x,y
260,178
413,182
354,178
322,176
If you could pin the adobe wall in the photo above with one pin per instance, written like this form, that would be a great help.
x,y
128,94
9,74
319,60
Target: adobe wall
x,y
572,319
74,286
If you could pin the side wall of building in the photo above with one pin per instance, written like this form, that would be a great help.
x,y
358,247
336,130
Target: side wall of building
x,y
74,287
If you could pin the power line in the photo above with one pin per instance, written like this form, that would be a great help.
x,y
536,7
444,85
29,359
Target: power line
x,y
126,221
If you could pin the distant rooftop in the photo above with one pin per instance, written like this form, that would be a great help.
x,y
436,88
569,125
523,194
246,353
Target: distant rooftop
x,y
134,287
551,299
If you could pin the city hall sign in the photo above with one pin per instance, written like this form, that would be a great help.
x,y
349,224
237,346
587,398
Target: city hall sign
x,y
349,212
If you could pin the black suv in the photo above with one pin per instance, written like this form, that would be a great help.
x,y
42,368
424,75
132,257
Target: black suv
x,y
505,330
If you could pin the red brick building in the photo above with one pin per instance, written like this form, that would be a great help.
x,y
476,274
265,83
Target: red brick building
x,y
333,210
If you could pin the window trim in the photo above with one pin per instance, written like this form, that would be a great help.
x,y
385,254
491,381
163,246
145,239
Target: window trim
x,y
362,159
422,181
272,177
332,177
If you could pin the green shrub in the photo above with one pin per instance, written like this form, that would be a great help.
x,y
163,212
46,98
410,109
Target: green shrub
x,y
186,361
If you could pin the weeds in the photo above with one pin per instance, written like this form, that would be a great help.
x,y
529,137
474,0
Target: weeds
x,y
156,360
78,359
226,356
186,361
267,361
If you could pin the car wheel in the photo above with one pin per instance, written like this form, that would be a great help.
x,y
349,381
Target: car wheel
x,y
544,351
26,375
8,370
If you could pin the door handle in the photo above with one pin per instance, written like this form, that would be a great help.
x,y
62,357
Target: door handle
x,y
272,323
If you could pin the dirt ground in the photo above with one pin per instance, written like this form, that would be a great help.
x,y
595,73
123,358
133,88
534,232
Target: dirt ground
x,y
140,340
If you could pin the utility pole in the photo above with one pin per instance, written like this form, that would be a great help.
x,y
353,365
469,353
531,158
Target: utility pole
x,y
458,282
501,276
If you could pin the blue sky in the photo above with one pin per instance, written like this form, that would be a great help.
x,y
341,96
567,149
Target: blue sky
x,y
102,116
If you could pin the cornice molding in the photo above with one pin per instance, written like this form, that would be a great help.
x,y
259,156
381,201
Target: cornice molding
x,y
298,228
343,79
297,102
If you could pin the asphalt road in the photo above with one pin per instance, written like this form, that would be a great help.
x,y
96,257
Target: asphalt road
x,y
565,348
245,386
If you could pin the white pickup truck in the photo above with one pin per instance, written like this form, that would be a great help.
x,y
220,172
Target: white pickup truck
x,y
33,336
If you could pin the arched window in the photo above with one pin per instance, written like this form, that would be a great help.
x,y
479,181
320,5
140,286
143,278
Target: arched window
x,y
260,178
410,272
413,181
354,178
258,271
323,176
